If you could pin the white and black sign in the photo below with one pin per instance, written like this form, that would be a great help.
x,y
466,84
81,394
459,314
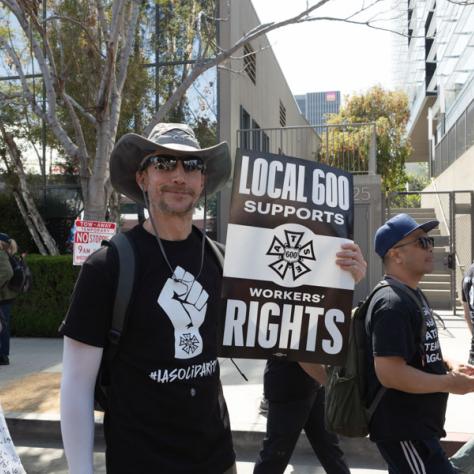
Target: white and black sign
x,y
283,292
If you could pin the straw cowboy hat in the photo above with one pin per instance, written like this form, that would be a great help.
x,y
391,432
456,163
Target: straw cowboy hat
x,y
174,139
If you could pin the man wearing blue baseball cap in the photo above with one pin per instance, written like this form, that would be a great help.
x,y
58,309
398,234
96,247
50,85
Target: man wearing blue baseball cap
x,y
406,366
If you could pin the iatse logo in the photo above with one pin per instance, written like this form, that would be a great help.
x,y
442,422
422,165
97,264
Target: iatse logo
x,y
291,254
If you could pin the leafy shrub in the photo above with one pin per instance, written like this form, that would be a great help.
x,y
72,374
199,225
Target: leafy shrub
x,y
39,312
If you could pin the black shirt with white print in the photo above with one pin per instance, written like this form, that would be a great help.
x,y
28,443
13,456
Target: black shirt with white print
x,y
394,329
167,413
468,289
468,297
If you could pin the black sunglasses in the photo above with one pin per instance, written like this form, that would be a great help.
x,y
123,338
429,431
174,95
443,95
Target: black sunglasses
x,y
423,242
169,163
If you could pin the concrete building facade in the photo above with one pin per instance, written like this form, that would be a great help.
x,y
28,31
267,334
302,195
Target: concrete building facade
x,y
254,96
435,66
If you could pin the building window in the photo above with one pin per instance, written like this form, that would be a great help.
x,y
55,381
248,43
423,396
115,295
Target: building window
x,y
282,115
250,62
256,136
265,143
244,127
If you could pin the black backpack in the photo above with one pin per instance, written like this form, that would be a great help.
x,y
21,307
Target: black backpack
x,y
123,296
347,411
21,280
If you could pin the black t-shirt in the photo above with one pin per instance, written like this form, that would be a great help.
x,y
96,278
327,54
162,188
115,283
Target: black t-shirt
x,y
395,330
167,413
468,289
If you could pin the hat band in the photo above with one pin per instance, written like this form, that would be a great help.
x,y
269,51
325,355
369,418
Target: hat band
x,y
177,139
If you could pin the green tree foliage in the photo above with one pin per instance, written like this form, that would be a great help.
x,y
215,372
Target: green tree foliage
x,y
412,198
389,111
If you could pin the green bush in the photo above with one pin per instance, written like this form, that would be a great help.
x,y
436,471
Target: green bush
x,y
39,312
406,201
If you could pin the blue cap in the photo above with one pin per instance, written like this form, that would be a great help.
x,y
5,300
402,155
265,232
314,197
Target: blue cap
x,y
395,229
4,237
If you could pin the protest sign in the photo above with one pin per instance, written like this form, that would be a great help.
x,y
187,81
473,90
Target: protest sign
x,y
283,292
88,238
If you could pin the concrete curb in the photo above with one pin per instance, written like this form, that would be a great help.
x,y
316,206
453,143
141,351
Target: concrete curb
x,y
41,429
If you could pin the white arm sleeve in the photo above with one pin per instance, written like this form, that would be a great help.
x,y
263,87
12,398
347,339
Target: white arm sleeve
x,y
81,363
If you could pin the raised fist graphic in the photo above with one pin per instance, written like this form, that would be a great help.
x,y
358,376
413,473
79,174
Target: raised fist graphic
x,y
185,303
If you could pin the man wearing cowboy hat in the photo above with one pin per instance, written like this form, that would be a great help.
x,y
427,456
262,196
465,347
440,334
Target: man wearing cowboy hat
x,y
166,411
405,355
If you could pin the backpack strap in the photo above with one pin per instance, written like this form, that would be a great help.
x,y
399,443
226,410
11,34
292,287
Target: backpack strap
x,y
125,282
375,402
397,284
218,249
381,391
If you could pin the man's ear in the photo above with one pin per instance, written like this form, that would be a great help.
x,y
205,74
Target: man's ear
x,y
140,178
394,255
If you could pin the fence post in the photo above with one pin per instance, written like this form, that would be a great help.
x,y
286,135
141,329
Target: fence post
x,y
452,247
373,152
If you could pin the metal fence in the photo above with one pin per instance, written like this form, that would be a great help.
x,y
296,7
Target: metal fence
x,y
351,147
459,138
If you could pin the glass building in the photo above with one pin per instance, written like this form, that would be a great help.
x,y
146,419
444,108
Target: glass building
x,y
434,64
315,106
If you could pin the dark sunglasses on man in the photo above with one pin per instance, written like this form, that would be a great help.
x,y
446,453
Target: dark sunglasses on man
x,y
169,163
423,242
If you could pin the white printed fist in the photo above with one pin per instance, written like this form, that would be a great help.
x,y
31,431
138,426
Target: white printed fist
x,y
185,303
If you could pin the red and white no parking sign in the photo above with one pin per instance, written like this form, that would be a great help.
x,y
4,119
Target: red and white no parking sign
x,y
89,236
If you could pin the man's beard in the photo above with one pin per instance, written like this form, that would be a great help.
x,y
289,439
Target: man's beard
x,y
165,209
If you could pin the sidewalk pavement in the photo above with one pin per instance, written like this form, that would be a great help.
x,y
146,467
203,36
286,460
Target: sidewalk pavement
x,y
29,395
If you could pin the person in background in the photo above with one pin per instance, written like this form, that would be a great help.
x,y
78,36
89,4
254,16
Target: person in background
x,y
8,247
468,306
294,392
463,459
405,356
10,462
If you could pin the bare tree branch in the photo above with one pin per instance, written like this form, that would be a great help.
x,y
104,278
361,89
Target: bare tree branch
x,y
124,59
81,109
205,64
355,22
49,80
204,98
103,27
31,210
103,95
363,9
29,224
